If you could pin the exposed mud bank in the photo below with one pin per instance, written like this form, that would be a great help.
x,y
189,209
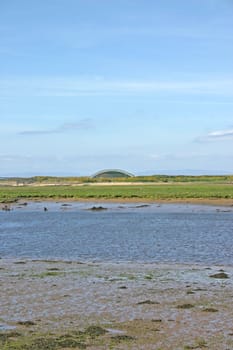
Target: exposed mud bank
x,y
139,306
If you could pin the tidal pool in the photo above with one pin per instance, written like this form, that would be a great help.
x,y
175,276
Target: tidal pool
x,y
120,233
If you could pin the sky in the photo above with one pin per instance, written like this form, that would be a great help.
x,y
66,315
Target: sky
x,y
140,85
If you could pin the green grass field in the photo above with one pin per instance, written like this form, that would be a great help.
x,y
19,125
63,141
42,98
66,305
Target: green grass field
x,y
147,192
36,180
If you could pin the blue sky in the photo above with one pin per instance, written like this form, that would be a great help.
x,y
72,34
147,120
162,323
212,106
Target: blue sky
x,y
140,85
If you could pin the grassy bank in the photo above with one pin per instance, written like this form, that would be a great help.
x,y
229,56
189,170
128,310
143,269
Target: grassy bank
x,y
143,192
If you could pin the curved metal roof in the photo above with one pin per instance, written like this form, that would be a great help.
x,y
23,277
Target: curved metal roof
x,y
112,173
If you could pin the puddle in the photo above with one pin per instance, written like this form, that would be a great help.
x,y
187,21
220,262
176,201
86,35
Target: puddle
x,y
6,327
115,331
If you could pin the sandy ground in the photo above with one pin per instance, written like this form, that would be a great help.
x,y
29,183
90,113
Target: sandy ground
x,y
147,306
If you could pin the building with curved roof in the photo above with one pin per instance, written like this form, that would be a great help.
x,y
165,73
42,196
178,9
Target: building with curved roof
x,y
112,173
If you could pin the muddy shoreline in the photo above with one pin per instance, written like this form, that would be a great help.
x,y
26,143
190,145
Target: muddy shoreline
x,y
67,203
222,202
152,306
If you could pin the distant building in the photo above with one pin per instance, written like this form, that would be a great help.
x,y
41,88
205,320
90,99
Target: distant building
x,y
111,173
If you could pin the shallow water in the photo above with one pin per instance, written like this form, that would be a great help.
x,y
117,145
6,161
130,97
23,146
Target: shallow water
x,y
128,232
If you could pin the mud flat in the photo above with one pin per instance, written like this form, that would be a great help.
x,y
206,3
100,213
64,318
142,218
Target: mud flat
x,y
68,304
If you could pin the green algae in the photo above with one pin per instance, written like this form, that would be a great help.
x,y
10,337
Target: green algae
x,y
74,339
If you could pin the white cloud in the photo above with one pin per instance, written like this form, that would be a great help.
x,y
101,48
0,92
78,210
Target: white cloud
x,y
66,127
14,157
217,135
64,87
178,156
221,134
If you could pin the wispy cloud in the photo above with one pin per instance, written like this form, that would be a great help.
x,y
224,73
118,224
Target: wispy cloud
x,y
66,87
178,156
216,135
66,127
14,158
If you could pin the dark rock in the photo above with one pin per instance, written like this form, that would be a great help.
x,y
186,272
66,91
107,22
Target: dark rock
x,y
210,309
20,262
220,275
148,302
185,306
26,323
6,208
142,206
97,208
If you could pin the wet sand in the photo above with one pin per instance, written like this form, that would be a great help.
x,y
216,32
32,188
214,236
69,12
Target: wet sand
x,y
140,306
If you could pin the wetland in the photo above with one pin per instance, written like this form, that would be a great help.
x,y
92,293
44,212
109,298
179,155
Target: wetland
x,y
115,275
